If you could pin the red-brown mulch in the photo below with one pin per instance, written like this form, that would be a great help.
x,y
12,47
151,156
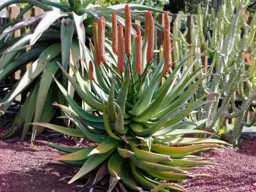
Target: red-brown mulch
x,y
25,169
236,171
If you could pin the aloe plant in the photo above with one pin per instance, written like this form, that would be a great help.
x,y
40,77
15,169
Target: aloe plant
x,y
59,37
140,111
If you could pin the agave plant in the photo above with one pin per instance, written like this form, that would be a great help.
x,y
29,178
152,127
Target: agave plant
x,y
57,35
140,111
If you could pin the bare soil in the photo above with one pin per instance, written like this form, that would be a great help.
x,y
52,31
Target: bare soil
x,y
24,168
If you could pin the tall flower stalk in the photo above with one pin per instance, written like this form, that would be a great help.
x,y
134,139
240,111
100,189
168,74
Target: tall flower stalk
x,y
101,39
146,24
114,33
95,41
120,64
151,37
138,42
167,50
167,23
128,30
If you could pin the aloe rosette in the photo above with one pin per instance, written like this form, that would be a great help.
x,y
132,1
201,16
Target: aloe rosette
x,y
140,115
58,35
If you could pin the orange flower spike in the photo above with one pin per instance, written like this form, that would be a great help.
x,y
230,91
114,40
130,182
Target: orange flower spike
x,y
114,32
166,26
138,31
120,64
151,38
167,21
95,41
167,50
138,43
164,49
147,14
128,30
101,40
91,71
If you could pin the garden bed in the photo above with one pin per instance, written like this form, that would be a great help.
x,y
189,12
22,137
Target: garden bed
x,y
25,169
236,171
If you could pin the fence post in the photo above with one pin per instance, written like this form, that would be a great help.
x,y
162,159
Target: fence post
x,y
175,19
189,22
160,34
37,11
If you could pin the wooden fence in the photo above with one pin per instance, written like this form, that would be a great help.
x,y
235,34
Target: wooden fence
x,y
14,12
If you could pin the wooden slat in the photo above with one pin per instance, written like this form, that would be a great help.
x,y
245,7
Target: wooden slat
x,y
35,12
137,22
26,16
14,12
